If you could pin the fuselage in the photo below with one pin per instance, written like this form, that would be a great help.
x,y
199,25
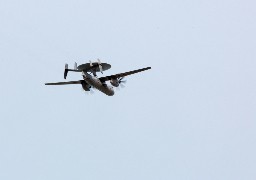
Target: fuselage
x,y
96,83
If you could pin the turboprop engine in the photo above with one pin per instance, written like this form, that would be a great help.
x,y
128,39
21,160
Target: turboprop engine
x,y
85,86
114,82
117,81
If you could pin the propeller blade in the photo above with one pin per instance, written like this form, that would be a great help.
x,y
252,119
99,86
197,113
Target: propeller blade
x,y
82,89
121,80
122,86
91,91
124,81
85,92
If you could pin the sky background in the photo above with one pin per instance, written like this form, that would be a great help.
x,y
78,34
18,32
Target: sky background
x,y
191,117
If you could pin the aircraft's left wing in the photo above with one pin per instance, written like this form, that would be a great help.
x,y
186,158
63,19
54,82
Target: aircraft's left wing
x,y
107,78
65,83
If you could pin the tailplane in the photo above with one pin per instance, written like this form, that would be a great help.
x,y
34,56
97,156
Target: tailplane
x,y
66,70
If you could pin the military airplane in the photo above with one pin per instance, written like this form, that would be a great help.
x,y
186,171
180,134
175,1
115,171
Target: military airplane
x,y
91,80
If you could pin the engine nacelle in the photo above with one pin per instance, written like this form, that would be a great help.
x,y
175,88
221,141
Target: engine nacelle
x,y
86,86
114,82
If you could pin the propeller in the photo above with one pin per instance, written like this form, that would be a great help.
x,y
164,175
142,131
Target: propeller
x,y
85,92
89,92
121,82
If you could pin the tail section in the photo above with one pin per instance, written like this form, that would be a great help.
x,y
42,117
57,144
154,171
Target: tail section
x,y
74,70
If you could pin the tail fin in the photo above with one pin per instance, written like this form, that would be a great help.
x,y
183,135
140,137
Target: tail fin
x,y
74,70
75,66
66,71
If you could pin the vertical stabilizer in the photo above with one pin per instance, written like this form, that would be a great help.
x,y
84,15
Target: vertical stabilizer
x,y
75,66
66,71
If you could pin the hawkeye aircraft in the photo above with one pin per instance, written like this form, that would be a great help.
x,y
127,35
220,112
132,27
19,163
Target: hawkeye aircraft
x,y
91,80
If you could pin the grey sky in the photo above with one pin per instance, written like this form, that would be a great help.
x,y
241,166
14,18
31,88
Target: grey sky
x,y
191,117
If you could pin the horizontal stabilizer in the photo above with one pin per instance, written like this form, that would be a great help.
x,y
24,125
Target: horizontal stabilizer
x,y
74,70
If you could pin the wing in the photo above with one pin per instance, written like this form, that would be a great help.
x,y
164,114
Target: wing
x,y
107,78
65,83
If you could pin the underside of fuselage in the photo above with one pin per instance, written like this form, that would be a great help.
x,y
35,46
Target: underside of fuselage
x,y
96,83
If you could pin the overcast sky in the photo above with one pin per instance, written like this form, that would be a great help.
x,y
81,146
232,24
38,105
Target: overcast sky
x,y
191,117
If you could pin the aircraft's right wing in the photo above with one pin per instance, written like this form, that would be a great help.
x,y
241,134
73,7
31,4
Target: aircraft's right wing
x,y
107,78
65,83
